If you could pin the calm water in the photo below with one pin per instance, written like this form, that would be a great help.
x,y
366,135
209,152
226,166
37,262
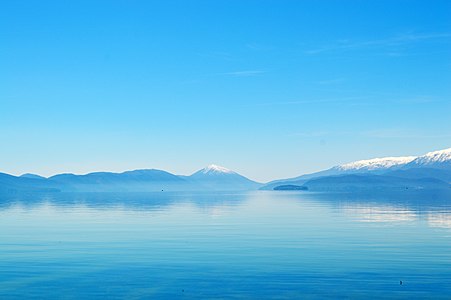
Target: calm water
x,y
260,245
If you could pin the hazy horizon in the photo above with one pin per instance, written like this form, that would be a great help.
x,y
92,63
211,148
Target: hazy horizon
x,y
200,169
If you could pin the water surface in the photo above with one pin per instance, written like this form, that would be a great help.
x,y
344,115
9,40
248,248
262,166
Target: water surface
x,y
260,245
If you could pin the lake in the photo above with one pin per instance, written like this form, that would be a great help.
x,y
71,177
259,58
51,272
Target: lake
x,y
254,245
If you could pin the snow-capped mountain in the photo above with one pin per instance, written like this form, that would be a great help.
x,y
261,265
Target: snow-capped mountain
x,y
375,164
210,178
431,170
220,178
436,159
436,164
215,170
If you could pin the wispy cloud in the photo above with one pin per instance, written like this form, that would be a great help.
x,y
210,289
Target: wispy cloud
x,y
418,100
399,40
315,134
330,81
403,133
246,73
364,100
220,55
387,133
258,47
316,101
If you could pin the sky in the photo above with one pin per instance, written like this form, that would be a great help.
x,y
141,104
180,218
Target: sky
x,y
270,89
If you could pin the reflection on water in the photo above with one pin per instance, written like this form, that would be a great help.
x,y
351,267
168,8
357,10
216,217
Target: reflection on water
x,y
439,219
433,206
132,201
381,213
225,245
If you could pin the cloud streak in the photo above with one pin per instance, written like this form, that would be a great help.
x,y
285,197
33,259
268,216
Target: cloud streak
x,y
247,73
315,101
347,45
402,133
332,81
364,100
389,133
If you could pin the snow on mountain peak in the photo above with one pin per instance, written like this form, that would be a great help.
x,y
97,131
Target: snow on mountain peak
x,y
440,156
376,163
216,169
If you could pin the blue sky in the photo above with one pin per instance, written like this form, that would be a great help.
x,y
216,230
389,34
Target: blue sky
x,y
271,89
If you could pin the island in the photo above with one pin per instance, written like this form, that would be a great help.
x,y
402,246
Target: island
x,y
290,187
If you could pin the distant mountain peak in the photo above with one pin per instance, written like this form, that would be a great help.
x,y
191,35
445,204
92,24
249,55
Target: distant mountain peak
x,y
435,165
434,157
376,163
33,176
215,169
438,156
219,178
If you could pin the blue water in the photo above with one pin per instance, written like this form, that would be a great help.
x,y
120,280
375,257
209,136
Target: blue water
x,y
256,245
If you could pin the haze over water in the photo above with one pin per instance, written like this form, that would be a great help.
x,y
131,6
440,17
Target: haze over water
x,y
260,245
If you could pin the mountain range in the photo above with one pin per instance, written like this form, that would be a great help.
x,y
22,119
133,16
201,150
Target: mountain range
x,y
432,170
209,178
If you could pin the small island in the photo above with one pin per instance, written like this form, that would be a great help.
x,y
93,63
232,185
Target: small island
x,y
290,187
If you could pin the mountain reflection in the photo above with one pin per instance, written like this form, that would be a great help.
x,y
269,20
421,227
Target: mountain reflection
x,y
439,219
433,207
129,201
383,213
